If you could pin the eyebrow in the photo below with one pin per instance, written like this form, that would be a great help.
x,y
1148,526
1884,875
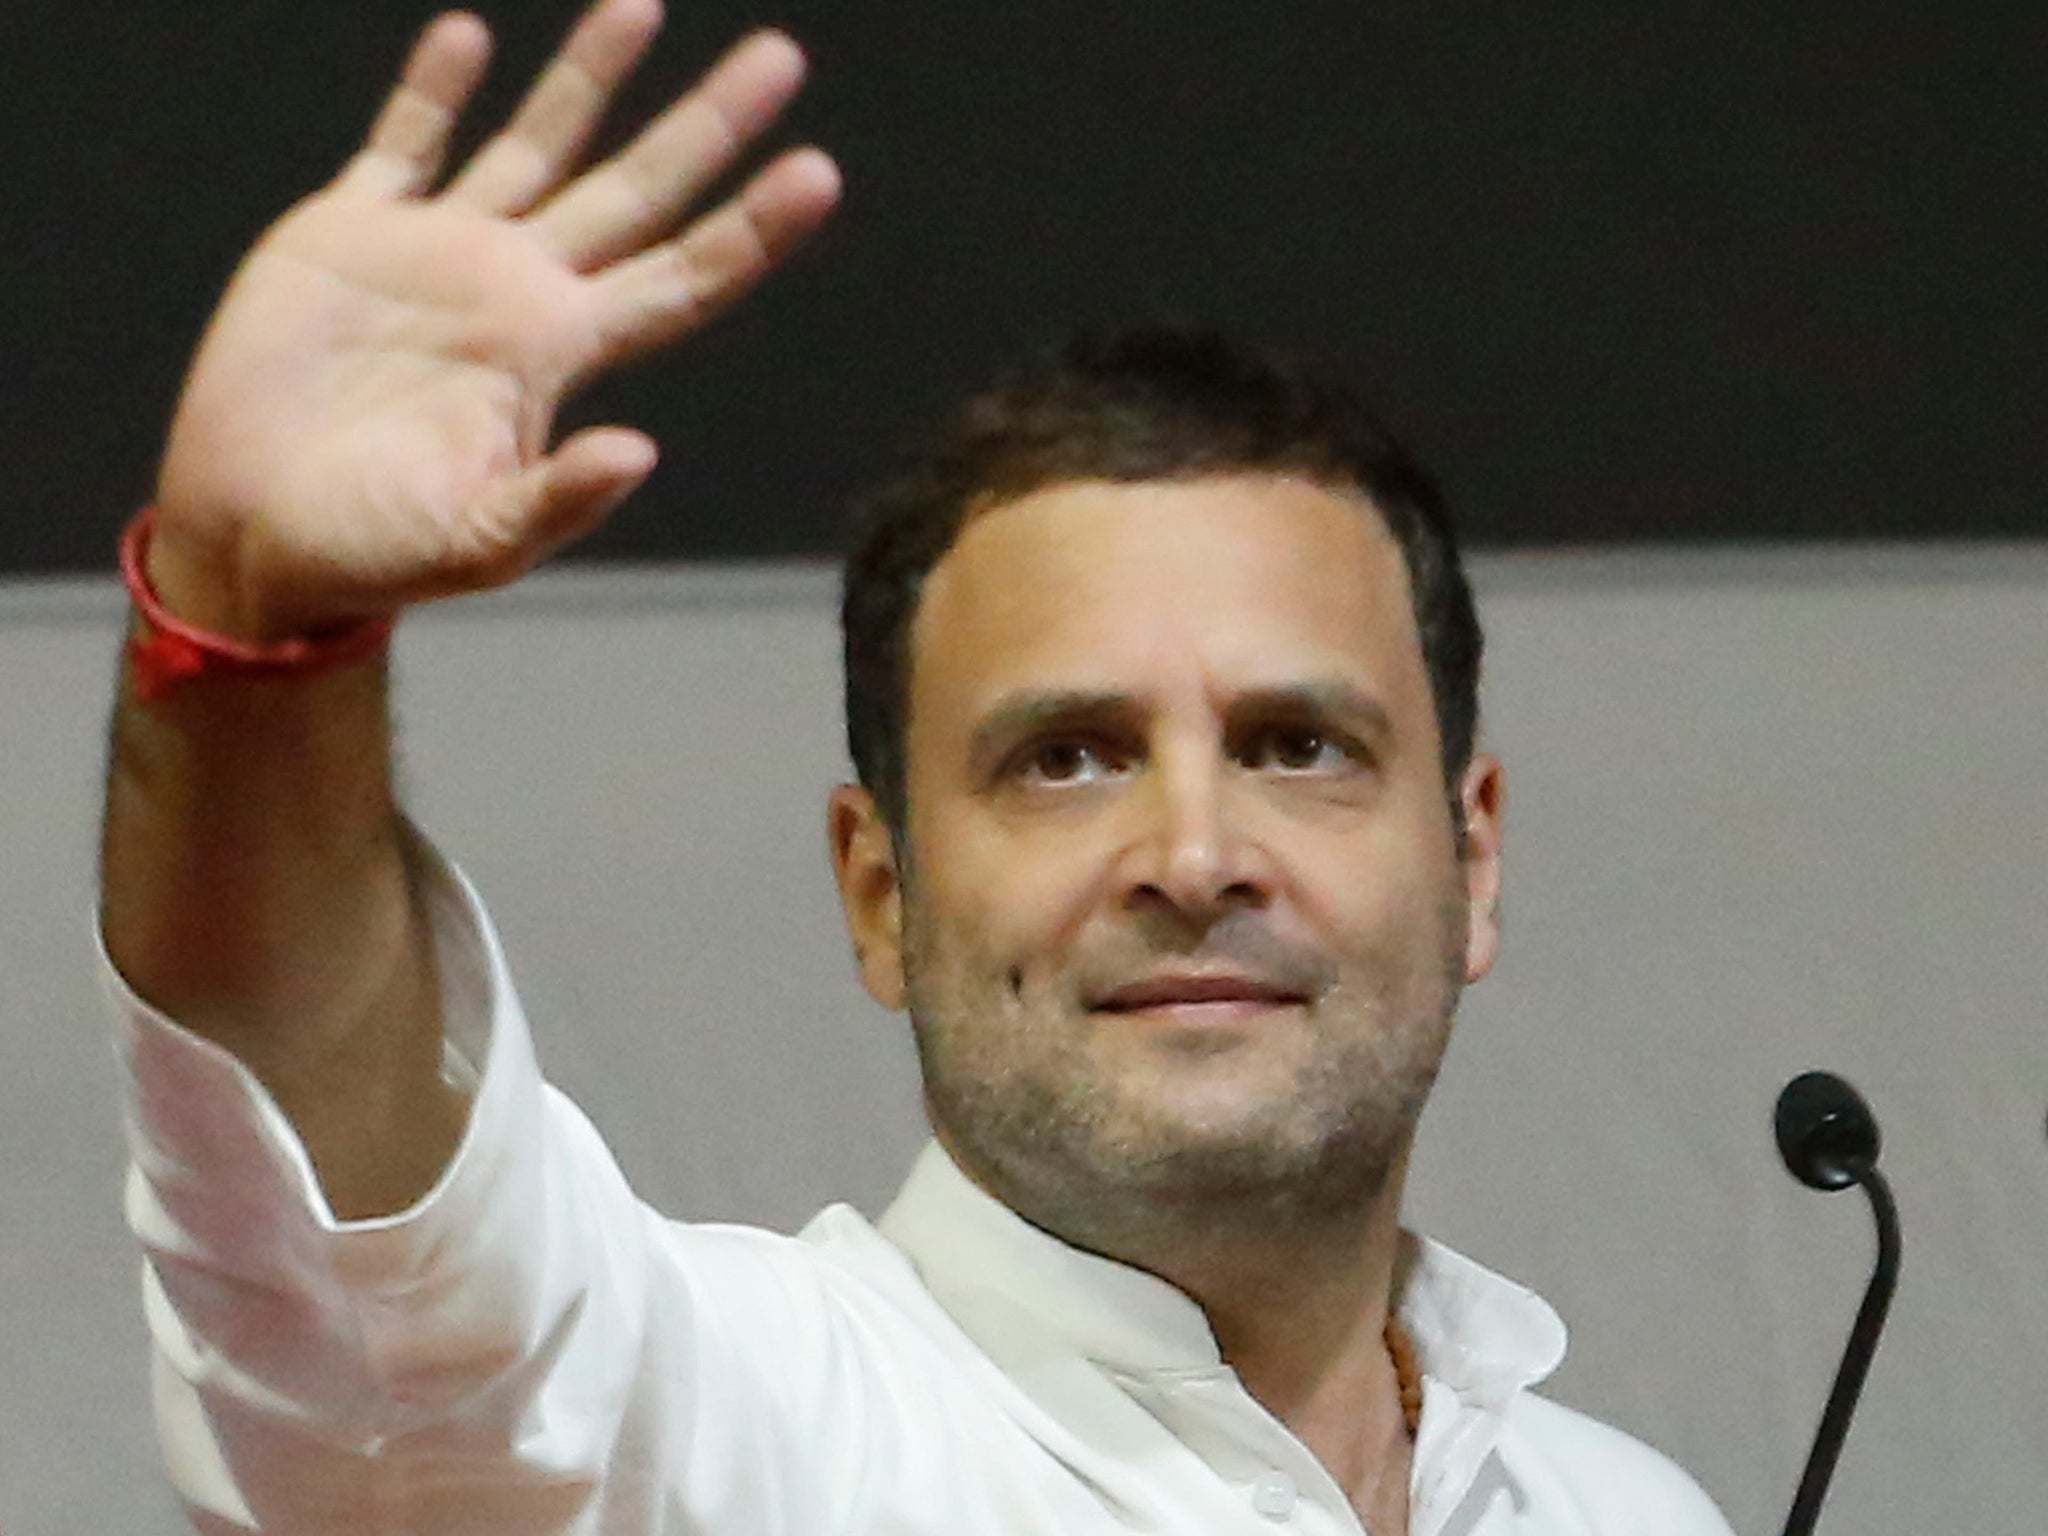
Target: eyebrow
x,y
1029,712
1332,699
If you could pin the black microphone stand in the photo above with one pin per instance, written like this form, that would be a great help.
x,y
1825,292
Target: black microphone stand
x,y
1834,1420
1829,1140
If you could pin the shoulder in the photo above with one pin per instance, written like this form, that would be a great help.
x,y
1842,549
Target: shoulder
x,y
1618,1485
833,1342
835,1289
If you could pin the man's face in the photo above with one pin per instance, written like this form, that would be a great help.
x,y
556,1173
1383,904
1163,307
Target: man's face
x,y
1184,918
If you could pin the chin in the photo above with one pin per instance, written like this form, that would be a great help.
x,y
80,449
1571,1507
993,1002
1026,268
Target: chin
x,y
1224,1141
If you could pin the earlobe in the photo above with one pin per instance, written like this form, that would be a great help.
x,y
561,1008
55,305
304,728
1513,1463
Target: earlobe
x,y
870,892
1482,797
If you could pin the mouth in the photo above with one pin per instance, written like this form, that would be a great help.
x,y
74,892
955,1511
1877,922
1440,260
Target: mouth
x,y
1200,997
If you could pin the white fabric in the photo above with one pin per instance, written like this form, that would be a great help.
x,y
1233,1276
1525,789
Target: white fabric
x,y
530,1349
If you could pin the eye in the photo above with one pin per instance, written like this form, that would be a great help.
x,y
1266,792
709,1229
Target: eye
x,y
1064,760
1296,749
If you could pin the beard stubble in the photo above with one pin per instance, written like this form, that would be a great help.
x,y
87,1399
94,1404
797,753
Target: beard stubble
x,y
1110,1163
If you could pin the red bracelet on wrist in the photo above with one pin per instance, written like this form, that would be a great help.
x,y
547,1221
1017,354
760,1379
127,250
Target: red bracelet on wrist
x,y
167,652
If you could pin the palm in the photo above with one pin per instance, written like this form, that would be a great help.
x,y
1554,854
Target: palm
x,y
376,373
368,421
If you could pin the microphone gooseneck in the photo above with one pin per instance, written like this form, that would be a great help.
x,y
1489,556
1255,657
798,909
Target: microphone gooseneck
x,y
1828,1139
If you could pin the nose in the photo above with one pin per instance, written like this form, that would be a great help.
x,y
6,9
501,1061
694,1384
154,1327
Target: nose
x,y
1192,855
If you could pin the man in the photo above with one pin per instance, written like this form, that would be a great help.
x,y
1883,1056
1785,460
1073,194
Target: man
x,y
1171,837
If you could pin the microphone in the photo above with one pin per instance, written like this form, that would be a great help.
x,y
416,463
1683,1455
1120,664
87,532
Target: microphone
x,y
1828,1139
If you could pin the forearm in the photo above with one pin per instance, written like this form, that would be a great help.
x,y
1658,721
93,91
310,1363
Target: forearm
x,y
508,1346
256,886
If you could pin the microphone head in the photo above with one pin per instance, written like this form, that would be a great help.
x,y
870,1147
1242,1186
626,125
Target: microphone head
x,y
1826,1133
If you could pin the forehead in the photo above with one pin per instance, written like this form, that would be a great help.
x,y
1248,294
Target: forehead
x,y
1243,580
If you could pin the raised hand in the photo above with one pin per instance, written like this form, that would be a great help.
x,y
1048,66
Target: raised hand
x,y
368,420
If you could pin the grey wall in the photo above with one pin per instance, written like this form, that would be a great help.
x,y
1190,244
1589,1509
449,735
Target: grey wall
x,y
1768,810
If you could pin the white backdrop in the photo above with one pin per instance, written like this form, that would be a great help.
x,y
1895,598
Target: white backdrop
x,y
1768,810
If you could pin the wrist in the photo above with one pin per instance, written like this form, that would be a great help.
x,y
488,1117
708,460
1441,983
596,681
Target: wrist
x,y
190,628
196,585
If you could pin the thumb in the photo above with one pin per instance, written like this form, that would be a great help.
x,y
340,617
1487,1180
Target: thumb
x,y
583,482
551,503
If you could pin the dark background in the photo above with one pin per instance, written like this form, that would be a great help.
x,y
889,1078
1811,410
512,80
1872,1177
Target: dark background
x,y
1618,271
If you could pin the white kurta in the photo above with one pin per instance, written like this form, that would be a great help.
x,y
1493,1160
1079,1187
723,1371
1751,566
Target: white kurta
x,y
531,1349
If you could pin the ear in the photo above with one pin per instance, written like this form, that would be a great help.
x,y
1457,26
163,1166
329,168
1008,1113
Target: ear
x,y
870,892
1482,794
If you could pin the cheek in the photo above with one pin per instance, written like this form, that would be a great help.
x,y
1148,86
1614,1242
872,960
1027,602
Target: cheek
x,y
1376,893
1014,896
970,941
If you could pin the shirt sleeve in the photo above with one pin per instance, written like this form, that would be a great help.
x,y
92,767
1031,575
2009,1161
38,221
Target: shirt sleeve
x,y
473,1363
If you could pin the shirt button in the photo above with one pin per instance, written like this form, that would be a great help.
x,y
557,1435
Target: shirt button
x,y
1274,1494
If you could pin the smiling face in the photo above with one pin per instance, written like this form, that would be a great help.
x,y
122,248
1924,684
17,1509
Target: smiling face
x,y
1186,915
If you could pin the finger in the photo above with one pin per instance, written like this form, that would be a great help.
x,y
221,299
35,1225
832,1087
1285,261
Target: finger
x,y
672,289
536,149
406,144
637,195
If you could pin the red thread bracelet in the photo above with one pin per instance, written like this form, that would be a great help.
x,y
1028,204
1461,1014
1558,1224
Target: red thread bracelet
x,y
169,652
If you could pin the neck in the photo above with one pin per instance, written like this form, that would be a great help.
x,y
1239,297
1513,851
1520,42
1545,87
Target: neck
x,y
1303,1324
1299,1307
1302,1317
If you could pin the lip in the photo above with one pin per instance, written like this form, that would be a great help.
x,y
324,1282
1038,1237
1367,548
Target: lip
x,y
1198,993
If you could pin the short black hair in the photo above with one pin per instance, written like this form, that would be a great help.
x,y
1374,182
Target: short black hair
x,y
1157,403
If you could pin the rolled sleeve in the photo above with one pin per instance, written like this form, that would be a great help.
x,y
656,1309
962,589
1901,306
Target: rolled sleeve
x,y
480,1347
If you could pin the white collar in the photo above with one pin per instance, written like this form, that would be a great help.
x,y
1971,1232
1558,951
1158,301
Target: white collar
x,y
1481,1335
